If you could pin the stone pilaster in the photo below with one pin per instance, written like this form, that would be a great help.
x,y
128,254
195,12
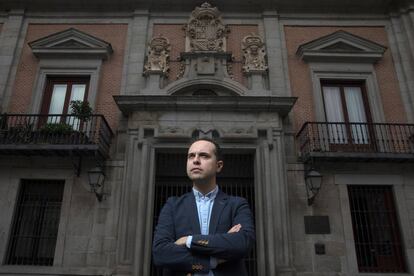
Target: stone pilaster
x,y
133,81
402,49
273,43
9,38
273,231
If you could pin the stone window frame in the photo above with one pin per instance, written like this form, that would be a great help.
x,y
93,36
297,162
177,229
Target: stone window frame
x,y
68,53
343,56
68,178
346,72
397,182
65,68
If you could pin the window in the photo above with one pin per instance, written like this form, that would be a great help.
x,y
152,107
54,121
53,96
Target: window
x,y
346,109
376,230
61,91
35,224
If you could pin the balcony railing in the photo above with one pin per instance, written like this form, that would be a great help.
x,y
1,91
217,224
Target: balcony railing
x,y
356,140
32,134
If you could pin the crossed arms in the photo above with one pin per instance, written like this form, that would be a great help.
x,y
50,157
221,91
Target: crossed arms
x,y
229,246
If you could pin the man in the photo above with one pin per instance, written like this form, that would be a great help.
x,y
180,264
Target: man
x,y
204,232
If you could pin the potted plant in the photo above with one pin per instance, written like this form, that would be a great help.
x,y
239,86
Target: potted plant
x,y
82,110
55,133
56,128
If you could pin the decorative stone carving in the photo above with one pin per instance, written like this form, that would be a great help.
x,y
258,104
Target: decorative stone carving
x,y
171,132
253,54
205,30
229,67
181,70
158,56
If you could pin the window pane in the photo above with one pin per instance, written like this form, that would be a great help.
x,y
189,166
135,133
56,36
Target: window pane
x,y
356,114
77,94
57,102
333,108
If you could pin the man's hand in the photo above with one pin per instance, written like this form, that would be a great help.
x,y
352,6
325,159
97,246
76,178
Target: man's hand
x,y
181,241
236,228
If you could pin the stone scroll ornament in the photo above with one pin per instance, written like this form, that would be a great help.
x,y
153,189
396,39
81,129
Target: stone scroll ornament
x,y
158,56
253,54
205,30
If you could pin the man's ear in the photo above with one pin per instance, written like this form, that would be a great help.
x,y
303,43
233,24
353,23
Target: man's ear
x,y
219,166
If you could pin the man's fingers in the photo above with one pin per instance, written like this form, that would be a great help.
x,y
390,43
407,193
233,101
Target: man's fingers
x,y
181,241
236,228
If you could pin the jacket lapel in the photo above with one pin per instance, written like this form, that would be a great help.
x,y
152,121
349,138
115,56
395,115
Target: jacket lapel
x,y
191,206
219,203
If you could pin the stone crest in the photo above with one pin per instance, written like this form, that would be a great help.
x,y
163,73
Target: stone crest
x,y
253,54
205,30
158,56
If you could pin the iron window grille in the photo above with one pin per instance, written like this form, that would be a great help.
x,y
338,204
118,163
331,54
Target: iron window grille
x,y
376,229
35,224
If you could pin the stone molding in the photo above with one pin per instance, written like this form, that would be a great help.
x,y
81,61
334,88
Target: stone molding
x,y
341,46
71,43
129,104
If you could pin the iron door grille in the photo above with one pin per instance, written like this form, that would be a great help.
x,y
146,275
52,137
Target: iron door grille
x,y
237,178
35,224
376,229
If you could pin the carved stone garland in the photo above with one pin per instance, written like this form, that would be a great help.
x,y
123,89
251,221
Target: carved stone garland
x,y
158,56
205,30
253,54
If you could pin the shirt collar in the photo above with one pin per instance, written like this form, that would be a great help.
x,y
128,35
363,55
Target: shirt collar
x,y
210,196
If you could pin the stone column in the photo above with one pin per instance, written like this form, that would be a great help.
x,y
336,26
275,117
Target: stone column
x,y
402,49
9,38
273,217
133,81
134,246
273,40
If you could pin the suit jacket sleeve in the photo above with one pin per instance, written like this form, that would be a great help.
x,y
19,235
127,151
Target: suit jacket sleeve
x,y
229,246
167,254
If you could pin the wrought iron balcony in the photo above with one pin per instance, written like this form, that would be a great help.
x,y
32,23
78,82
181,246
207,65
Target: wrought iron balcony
x,y
356,141
54,134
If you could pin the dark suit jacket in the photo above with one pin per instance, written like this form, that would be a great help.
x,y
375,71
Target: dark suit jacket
x,y
179,218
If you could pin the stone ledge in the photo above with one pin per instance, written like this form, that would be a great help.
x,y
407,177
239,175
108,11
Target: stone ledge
x,y
129,104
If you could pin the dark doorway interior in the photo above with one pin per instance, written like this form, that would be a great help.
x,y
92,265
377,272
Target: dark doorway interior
x,y
237,178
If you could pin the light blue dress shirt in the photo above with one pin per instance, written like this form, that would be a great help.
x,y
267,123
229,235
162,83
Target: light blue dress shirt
x,y
204,207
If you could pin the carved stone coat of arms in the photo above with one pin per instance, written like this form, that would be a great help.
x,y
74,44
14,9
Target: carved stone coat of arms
x,y
205,30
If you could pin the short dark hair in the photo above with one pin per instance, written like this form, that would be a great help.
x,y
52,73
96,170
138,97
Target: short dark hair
x,y
217,148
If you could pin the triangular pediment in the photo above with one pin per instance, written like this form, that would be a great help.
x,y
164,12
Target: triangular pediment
x,y
71,43
341,46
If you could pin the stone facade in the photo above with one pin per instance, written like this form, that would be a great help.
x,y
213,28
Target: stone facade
x,y
215,87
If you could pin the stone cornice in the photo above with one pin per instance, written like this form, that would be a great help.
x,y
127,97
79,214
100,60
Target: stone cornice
x,y
71,43
129,104
341,46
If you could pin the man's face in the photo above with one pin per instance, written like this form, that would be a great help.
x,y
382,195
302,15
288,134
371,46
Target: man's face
x,y
202,164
